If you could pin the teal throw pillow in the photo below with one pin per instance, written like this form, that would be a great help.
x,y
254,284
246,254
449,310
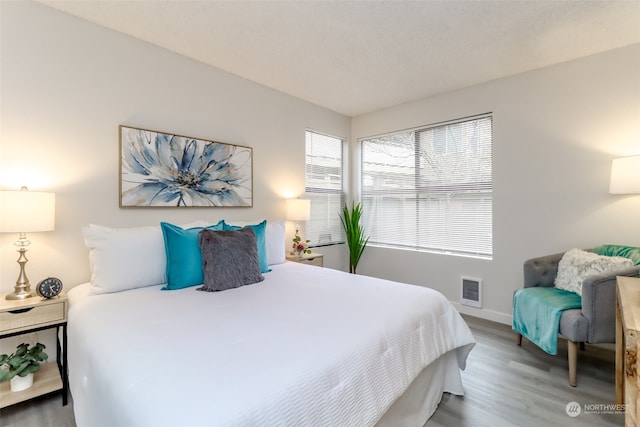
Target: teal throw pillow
x,y
184,260
261,241
631,252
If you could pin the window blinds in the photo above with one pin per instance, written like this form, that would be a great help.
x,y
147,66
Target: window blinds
x,y
431,188
324,187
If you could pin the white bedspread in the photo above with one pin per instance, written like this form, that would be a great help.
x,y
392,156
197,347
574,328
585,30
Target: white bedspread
x,y
308,346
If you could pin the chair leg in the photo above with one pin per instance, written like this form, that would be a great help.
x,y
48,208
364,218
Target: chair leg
x,y
573,362
519,339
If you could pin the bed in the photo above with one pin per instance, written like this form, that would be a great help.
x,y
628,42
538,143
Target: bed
x,y
307,346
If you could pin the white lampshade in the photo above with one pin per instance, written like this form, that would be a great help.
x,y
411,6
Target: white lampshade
x,y
298,209
625,175
26,211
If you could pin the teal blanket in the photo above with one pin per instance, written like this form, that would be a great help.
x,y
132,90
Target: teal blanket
x,y
537,311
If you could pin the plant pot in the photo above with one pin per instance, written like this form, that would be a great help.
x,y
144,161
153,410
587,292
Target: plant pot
x,y
19,383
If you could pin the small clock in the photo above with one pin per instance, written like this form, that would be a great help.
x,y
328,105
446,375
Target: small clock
x,y
49,287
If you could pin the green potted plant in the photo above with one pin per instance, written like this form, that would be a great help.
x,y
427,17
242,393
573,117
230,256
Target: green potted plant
x,y
354,233
19,366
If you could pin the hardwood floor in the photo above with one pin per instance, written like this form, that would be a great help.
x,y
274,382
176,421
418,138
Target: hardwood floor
x,y
505,385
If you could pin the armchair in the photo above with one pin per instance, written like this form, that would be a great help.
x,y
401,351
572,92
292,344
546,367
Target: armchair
x,y
595,321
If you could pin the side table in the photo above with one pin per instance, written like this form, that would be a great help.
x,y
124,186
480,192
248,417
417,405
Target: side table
x,y
32,315
628,347
309,259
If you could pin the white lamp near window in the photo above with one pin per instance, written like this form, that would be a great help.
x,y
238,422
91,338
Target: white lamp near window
x,y
21,212
625,175
298,210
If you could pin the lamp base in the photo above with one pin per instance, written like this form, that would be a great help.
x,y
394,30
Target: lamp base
x,y
20,295
22,289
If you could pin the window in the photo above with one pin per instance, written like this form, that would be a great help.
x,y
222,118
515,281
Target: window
x,y
324,187
431,188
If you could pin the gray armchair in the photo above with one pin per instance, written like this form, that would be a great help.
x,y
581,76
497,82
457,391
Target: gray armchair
x,y
595,321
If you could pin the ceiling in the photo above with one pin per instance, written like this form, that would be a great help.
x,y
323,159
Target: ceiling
x,y
355,57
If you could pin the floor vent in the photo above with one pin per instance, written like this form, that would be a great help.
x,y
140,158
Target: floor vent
x,y
471,291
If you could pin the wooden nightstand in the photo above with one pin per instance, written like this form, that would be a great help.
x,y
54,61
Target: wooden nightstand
x,y
627,346
309,259
32,315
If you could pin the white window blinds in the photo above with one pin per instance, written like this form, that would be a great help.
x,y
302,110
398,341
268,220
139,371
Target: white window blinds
x,y
324,187
431,188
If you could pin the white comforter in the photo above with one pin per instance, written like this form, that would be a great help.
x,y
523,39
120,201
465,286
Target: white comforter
x,y
308,346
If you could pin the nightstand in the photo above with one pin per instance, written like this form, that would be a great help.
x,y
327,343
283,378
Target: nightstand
x,y
32,315
309,259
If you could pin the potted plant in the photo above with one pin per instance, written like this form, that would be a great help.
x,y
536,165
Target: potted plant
x,y
20,366
354,233
300,247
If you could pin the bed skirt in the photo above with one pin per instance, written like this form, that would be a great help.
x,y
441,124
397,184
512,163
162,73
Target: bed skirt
x,y
421,399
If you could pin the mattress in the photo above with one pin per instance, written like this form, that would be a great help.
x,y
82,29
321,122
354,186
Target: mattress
x,y
308,346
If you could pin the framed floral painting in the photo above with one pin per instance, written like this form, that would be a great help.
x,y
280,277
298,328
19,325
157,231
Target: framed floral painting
x,y
165,170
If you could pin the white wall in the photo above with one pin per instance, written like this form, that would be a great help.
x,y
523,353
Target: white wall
x,y
556,131
67,84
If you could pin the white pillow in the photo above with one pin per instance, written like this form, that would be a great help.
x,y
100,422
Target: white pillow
x,y
124,258
275,242
274,235
576,265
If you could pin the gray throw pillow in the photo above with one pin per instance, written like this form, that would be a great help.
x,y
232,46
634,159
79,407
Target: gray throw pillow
x,y
229,259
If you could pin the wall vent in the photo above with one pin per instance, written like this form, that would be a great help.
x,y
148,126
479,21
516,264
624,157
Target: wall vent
x,y
471,291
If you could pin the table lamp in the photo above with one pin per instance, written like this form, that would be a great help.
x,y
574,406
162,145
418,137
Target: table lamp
x,y
298,210
25,212
625,175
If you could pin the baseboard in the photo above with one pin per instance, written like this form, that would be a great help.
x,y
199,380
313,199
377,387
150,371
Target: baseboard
x,y
494,316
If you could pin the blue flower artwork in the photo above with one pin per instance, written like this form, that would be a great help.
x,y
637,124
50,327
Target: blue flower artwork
x,y
164,170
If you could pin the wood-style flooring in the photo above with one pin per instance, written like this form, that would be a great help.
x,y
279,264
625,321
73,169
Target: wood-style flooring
x,y
505,385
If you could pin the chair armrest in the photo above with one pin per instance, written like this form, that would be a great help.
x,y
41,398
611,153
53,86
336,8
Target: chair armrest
x,y
541,271
599,304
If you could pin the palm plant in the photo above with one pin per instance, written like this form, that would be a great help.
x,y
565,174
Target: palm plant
x,y
354,233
